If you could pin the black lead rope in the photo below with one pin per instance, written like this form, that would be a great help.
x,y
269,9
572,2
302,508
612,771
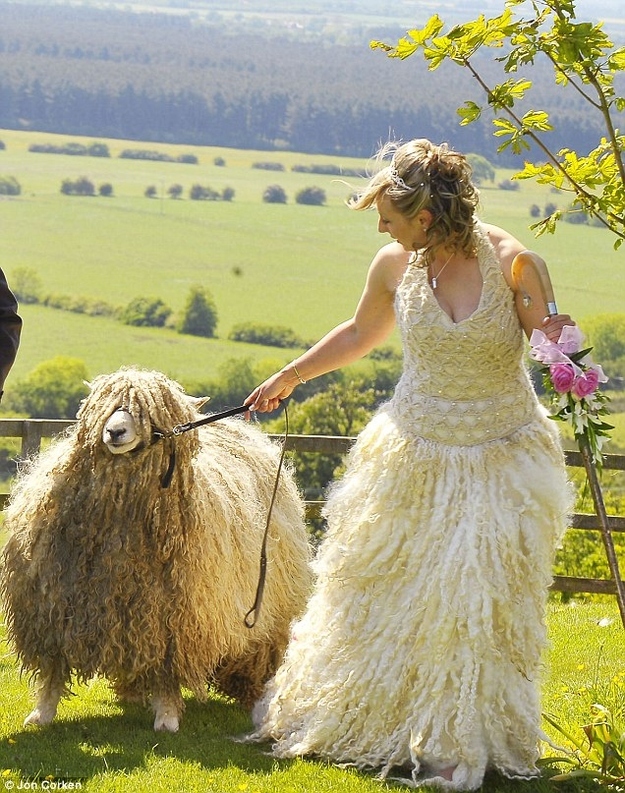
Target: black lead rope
x,y
251,617
191,425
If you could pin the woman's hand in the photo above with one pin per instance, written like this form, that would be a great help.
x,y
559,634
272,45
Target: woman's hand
x,y
552,326
268,395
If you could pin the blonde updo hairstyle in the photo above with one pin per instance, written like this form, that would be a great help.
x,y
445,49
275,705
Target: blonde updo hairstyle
x,y
422,175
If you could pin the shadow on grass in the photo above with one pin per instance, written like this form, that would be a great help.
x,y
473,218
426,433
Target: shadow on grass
x,y
81,747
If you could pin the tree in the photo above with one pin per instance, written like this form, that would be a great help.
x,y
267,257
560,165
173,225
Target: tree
x,y
274,194
27,285
9,186
175,191
483,171
80,186
314,196
199,317
341,409
606,333
200,192
583,59
54,389
106,189
150,191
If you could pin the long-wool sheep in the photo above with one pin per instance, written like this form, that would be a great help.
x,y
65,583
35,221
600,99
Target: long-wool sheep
x,y
112,570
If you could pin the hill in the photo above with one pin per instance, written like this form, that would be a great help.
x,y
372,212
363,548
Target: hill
x,y
291,265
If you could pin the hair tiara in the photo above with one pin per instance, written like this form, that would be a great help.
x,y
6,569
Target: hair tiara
x,y
399,182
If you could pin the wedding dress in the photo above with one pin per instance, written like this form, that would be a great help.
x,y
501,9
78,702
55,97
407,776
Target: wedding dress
x,y
420,648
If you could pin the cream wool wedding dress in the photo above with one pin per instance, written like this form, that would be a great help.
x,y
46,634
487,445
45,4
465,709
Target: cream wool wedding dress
x,y
421,645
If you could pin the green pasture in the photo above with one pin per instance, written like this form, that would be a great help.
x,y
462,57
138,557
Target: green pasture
x,y
298,266
107,747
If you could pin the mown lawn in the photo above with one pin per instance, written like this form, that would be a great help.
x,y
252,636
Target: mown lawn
x,y
105,747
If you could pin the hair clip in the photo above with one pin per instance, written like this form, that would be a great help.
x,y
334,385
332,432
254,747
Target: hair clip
x,y
399,182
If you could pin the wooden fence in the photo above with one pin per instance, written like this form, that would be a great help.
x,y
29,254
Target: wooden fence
x,y
33,431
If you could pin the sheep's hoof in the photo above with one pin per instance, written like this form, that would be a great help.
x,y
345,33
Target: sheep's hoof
x,y
40,717
166,722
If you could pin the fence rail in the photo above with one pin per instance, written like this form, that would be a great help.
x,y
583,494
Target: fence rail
x,y
33,431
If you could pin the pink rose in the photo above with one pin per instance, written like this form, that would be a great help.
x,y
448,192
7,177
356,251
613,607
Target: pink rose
x,y
586,383
562,376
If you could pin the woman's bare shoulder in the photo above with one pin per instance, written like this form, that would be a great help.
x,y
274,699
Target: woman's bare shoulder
x,y
505,244
389,264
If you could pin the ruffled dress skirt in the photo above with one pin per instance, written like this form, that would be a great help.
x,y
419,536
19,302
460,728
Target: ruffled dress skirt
x,y
421,646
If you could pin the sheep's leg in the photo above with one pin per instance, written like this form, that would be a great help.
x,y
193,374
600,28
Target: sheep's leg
x,y
244,678
167,710
52,688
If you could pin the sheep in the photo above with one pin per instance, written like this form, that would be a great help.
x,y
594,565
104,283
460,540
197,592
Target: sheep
x,y
134,555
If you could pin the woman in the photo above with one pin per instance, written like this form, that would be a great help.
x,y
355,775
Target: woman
x,y
420,647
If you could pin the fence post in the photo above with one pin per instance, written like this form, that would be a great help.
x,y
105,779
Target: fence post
x,y
31,438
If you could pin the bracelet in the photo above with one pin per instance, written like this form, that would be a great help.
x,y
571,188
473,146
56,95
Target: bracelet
x,y
297,374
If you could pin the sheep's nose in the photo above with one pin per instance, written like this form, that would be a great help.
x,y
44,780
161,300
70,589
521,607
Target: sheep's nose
x,y
116,435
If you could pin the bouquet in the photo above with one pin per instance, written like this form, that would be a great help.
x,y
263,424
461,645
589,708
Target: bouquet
x,y
571,381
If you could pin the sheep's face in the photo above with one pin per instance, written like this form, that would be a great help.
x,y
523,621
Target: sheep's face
x,y
120,434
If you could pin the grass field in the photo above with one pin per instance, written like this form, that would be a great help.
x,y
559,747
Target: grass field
x,y
106,747
298,266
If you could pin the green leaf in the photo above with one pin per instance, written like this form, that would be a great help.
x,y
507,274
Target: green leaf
x,y
537,119
468,113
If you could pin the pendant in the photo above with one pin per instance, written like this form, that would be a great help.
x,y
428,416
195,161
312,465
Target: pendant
x,y
434,282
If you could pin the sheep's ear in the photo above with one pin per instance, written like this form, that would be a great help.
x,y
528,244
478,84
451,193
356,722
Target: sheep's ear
x,y
199,402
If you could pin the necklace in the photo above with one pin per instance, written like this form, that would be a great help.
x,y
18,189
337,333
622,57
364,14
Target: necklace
x,y
437,276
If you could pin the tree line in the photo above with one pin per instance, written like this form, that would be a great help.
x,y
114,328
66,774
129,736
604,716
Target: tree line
x,y
157,77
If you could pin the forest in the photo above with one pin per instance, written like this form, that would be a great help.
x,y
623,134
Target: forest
x,y
176,78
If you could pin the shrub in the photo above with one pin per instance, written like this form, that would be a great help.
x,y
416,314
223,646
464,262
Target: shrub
x,y
190,159
327,170
576,216
81,186
26,285
2,145
313,196
271,335
508,184
9,186
227,194
106,189
219,162
175,191
93,306
274,194
150,192
200,193
146,154
72,148
98,150
268,166
535,211
54,389
145,312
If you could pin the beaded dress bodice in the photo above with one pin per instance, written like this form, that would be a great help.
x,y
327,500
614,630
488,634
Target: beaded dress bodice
x,y
463,383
